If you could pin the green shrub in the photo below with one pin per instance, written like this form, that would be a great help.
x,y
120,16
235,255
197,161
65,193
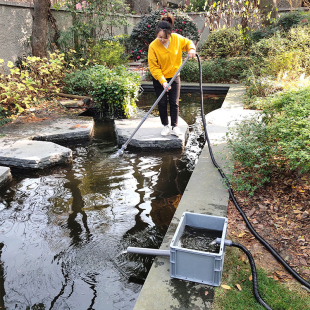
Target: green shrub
x,y
281,25
36,78
279,140
115,91
108,53
253,149
259,87
78,82
269,47
289,20
216,70
287,64
287,116
144,32
299,38
223,43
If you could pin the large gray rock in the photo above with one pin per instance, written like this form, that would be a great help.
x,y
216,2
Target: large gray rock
x,y
148,136
34,154
5,175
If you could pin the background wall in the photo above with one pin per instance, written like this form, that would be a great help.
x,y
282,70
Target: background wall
x,y
16,27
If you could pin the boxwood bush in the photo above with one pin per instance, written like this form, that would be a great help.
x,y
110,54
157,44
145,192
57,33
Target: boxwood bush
x,y
220,70
223,43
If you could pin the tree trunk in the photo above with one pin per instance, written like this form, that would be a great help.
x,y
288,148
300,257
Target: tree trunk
x,y
53,23
268,6
39,28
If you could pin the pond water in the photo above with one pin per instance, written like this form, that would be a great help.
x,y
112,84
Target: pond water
x,y
63,230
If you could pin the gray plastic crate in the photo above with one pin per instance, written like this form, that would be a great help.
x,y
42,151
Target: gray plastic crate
x,y
198,266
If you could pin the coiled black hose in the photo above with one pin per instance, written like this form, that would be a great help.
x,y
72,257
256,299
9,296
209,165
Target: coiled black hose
x,y
254,274
231,194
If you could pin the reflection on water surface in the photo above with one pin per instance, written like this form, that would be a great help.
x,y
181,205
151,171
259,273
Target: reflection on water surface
x,y
62,231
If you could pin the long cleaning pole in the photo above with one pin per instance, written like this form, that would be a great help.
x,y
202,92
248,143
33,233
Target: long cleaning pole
x,y
124,146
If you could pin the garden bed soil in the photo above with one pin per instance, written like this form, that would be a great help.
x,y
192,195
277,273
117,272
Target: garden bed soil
x,y
280,213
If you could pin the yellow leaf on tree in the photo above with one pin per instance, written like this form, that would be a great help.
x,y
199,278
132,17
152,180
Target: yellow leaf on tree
x,y
226,287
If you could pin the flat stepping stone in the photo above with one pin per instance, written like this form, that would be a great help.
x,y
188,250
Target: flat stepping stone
x,y
31,154
59,130
5,175
148,136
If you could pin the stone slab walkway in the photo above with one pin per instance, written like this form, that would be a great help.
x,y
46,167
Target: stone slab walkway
x,y
31,145
148,136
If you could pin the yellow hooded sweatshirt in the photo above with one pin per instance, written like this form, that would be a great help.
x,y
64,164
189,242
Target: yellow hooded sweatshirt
x,y
165,62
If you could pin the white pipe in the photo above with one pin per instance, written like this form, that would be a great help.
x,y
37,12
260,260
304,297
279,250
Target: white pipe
x,y
147,251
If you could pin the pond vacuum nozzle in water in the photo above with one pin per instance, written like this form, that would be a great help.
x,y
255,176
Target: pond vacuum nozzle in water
x,y
124,146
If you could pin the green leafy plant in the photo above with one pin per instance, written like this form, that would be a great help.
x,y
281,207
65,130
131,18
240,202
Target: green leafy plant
x,y
279,139
36,78
78,82
253,149
218,70
287,116
289,20
108,53
223,43
281,25
144,32
114,91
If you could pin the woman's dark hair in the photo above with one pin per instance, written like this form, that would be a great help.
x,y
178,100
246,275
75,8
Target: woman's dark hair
x,y
165,25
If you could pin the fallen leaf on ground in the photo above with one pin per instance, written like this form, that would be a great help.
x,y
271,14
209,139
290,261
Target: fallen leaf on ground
x,y
239,287
226,287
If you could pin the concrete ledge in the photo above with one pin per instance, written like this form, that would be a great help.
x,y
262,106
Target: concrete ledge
x,y
5,175
205,194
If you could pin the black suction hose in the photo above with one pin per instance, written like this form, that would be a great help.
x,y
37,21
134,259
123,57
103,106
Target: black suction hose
x,y
231,194
254,274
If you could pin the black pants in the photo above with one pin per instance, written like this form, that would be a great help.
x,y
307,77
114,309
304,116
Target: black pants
x,y
173,96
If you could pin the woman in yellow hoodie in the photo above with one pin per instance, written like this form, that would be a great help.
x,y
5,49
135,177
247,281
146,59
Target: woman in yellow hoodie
x,y
165,58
